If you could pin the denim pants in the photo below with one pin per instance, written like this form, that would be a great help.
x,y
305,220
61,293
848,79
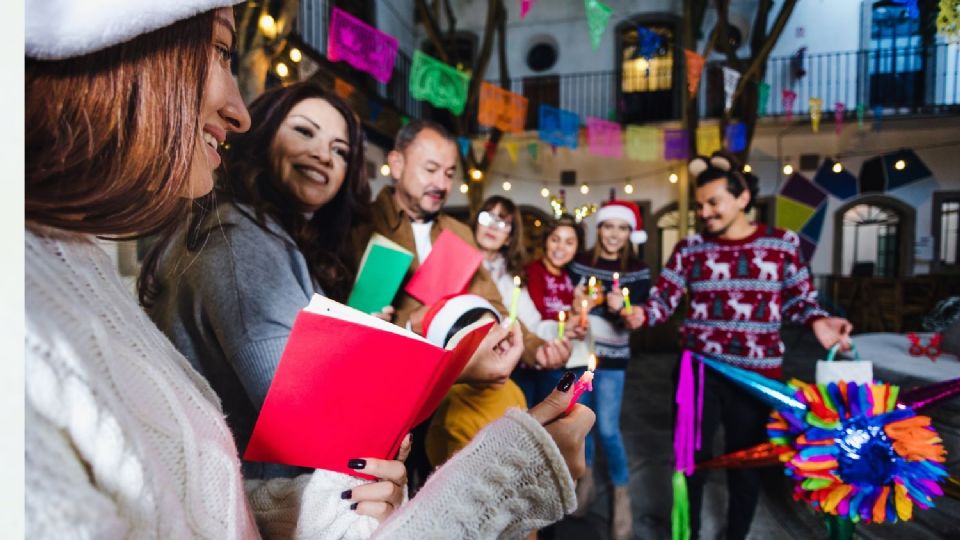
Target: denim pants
x,y
605,400
537,384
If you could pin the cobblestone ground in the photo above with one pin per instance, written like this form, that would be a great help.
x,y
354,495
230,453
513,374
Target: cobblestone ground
x,y
647,432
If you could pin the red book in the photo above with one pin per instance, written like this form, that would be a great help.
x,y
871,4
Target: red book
x,y
447,270
350,385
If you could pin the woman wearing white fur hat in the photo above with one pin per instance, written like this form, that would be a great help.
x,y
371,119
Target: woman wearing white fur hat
x,y
126,105
614,263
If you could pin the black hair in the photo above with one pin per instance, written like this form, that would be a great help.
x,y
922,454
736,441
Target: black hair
x,y
409,132
724,165
469,317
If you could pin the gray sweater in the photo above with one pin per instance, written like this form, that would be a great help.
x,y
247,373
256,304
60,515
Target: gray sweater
x,y
229,308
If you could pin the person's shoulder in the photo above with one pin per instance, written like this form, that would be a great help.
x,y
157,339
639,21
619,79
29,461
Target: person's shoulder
x,y
783,236
456,226
535,266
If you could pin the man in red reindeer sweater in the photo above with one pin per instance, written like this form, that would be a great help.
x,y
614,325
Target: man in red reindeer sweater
x,y
743,279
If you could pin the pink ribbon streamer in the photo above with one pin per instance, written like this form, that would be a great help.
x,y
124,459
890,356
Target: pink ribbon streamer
x,y
683,434
700,405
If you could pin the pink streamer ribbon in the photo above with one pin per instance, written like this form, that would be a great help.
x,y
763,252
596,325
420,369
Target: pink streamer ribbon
x,y
683,435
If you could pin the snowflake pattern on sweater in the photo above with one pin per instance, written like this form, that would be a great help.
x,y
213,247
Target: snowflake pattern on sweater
x,y
740,292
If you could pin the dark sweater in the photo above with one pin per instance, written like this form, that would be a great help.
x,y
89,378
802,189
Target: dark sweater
x,y
611,336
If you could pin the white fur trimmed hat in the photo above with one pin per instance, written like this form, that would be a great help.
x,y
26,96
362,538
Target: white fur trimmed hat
x,y
445,313
59,29
626,211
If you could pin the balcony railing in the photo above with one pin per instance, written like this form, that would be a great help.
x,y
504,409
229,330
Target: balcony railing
x,y
902,81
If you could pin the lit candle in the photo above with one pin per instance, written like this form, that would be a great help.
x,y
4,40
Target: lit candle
x,y
561,324
626,301
515,300
585,384
583,313
616,280
592,287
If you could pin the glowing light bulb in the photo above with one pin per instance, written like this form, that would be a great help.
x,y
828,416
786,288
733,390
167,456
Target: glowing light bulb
x,y
628,189
584,189
788,169
900,165
464,188
268,26
385,170
507,185
296,55
674,178
837,167
747,168
544,193
476,174
282,70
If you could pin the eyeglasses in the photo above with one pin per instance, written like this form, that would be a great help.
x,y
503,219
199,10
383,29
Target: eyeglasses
x,y
489,220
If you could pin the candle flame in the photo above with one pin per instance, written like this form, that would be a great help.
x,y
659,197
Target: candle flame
x,y
516,281
626,291
562,316
583,304
593,281
616,276
592,363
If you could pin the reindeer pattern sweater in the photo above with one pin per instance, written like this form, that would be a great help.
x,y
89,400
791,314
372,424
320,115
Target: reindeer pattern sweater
x,y
740,291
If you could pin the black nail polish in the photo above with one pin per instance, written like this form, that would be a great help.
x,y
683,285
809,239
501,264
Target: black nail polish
x,y
566,381
357,464
346,494
354,506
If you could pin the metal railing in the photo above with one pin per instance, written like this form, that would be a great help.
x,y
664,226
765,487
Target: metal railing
x,y
907,80
900,81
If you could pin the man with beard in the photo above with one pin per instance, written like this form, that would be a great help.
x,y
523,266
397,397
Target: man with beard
x,y
423,164
743,279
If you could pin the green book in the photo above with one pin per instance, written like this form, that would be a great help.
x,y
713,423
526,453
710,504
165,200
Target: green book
x,y
382,269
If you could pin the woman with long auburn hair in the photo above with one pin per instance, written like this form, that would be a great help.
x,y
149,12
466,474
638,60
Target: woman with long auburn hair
x,y
127,104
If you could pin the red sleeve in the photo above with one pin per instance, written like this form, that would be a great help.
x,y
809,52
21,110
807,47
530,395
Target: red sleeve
x,y
666,294
535,285
799,293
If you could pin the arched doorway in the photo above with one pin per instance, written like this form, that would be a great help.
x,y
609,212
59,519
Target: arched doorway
x,y
873,237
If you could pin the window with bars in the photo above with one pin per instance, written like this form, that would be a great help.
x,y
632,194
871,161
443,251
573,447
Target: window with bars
x,y
870,241
946,231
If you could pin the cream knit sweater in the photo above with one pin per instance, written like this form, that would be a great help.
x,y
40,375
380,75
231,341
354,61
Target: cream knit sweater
x,y
125,440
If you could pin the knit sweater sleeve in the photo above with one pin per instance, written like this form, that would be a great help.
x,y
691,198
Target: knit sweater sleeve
x,y
799,293
250,285
667,293
307,507
61,500
509,480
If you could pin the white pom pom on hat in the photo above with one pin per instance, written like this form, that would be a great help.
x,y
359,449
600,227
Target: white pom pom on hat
x,y
59,29
628,212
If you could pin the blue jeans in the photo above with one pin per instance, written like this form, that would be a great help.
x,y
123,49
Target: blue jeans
x,y
605,400
537,384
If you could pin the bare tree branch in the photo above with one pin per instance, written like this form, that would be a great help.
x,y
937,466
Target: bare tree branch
x,y
433,30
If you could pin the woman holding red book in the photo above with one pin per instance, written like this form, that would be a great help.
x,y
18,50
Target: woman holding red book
x,y
126,106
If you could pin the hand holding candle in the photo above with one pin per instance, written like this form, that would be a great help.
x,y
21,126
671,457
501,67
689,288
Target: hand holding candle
x,y
561,324
585,384
626,301
515,300
616,280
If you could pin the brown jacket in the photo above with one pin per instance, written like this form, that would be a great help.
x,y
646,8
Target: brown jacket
x,y
388,219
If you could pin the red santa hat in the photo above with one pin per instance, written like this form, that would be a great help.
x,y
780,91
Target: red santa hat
x,y
626,211
445,316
